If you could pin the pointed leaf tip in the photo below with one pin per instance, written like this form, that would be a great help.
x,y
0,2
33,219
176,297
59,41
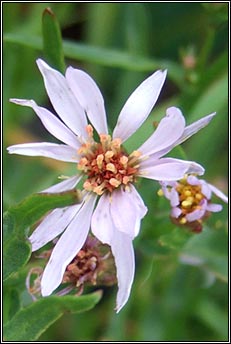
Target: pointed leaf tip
x,y
48,11
52,40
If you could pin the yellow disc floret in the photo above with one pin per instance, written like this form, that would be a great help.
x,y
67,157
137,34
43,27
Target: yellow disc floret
x,y
190,196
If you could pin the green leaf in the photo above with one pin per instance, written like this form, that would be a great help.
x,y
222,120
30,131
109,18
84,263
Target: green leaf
x,y
176,239
213,98
29,323
52,40
16,253
11,303
213,316
33,207
16,248
208,249
213,139
104,56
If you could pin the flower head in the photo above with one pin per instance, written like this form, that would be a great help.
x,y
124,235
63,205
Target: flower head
x,y
92,265
111,206
190,199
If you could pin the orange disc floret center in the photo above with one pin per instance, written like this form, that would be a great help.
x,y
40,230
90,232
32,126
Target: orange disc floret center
x,y
106,164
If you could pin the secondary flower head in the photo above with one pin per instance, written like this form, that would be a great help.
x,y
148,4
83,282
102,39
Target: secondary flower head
x,y
190,199
92,265
109,171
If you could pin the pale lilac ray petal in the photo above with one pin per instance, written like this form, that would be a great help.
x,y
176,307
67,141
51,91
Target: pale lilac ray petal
x,y
188,132
63,100
101,223
193,180
171,194
139,105
167,133
198,213
51,123
123,253
213,207
176,212
171,183
151,160
165,190
46,149
123,213
148,161
169,169
218,193
127,209
174,197
195,215
138,201
205,189
195,127
67,247
89,96
52,226
121,246
65,185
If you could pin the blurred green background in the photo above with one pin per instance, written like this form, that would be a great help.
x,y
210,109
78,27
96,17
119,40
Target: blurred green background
x,y
180,290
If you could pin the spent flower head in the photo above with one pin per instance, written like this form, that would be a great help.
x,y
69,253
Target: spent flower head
x,y
93,265
111,205
190,199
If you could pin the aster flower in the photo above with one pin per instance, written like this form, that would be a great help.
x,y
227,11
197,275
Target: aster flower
x,y
190,199
110,172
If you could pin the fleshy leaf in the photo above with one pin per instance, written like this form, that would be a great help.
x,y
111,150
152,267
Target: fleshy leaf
x,y
52,40
17,219
30,322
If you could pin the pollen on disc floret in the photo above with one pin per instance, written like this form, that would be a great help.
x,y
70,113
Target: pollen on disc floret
x,y
190,197
106,164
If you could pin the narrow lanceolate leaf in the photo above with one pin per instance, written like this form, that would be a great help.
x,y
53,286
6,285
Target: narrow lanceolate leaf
x,y
16,247
30,322
104,56
52,40
209,250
